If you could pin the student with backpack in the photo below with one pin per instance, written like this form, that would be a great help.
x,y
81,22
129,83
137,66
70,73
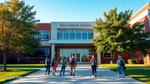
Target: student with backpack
x,y
93,63
63,66
72,63
121,66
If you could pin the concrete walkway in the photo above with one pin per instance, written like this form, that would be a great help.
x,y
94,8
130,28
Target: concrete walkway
x,y
83,76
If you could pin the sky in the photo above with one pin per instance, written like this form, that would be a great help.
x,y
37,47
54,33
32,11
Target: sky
x,y
79,10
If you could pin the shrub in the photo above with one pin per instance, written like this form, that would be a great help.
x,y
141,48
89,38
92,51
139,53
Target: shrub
x,y
130,61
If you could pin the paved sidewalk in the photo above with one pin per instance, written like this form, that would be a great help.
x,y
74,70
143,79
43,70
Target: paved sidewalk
x,y
83,76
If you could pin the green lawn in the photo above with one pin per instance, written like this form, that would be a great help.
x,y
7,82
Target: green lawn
x,y
24,65
137,71
18,70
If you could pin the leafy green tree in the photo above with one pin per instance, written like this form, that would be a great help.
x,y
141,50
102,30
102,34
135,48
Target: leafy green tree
x,y
110,29
137,39
17,25
114,33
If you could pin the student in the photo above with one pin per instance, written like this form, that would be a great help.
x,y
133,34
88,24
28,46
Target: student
x,y
72,63
63,66
121,66
47,65
93,63
54,66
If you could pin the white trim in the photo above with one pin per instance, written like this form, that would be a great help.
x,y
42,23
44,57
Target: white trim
x,y
140,9
44,43
139,17
72,24
71,41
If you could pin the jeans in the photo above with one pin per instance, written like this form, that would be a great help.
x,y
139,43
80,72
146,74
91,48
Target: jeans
x,y
121,71
62,71
94,70
48,70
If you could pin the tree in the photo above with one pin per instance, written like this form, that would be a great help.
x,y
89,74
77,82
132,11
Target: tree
x,y
114,33
137,38
110,29
17,25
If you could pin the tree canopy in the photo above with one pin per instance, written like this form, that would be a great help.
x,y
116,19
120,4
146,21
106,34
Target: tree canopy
x,y
17,23
114,33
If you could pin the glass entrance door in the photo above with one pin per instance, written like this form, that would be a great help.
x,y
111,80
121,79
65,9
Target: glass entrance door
x,y
81,54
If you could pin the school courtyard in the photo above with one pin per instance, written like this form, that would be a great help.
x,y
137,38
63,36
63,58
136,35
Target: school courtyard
x,y
83,76
22,53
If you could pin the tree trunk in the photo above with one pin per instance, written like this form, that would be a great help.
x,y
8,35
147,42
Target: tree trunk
x,y
4,61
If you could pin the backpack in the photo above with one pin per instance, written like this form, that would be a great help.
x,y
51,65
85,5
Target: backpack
x,y
121,63
94,62
64,63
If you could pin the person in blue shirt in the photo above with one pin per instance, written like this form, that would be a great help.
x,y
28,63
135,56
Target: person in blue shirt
x,y
63,66
93,63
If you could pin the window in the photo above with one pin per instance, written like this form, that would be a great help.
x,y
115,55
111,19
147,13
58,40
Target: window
x,y
35,36
107,55
84,34
78,34
74,34
43,34
90,34
66,34
44,51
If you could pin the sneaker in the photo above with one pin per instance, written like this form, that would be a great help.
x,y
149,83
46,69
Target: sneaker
x,y
123,76
54,74
93,76
73,74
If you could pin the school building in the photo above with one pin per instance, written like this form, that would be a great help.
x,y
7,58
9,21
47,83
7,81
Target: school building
x,y
59,39
75,38
143,15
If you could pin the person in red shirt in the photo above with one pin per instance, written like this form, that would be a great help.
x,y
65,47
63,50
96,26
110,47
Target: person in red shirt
x,y
54,66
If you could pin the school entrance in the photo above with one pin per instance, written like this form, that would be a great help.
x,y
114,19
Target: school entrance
x,y
82,55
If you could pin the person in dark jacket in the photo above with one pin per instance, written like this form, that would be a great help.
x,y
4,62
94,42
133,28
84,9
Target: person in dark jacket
x,y
47,65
